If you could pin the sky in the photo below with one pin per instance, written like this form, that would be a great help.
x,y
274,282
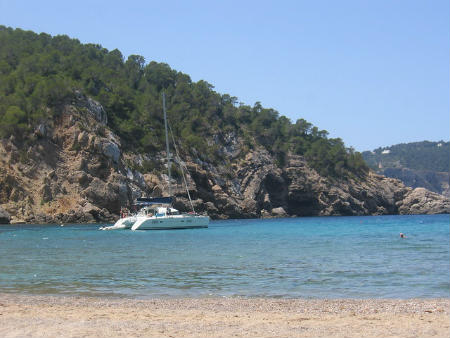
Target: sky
x,y
374,73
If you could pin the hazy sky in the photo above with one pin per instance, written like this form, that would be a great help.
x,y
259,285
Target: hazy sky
x,y
374,73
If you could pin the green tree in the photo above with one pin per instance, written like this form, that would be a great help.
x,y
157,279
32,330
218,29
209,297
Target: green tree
x,y
14,121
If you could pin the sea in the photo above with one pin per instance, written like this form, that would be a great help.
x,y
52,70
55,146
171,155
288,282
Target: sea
x,y
308,257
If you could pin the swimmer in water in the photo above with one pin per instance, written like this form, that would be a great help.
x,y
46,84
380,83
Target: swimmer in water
x,y
402,235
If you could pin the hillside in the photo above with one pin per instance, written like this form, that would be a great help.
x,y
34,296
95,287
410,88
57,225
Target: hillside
x,y
418,164
81,134
38,73
425,156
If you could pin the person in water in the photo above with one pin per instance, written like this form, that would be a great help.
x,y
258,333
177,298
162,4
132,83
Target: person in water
x,y
402,235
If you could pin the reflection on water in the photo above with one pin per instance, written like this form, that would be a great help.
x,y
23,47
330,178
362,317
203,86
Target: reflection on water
x,y
332,257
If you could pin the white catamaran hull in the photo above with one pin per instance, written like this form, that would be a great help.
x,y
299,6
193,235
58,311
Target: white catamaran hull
x,y
122,223
170,222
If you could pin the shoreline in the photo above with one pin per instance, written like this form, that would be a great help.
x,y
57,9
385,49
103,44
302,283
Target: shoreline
x,y
111,222
76,316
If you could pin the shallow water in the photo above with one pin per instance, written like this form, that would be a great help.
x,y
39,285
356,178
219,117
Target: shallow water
x,y
316,257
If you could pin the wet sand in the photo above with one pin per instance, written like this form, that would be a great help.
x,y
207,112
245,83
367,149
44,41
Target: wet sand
x,y
48,316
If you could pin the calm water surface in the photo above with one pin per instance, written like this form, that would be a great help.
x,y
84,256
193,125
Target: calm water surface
x,y
317,257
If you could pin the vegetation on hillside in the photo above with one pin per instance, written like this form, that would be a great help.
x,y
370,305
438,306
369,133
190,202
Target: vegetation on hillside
x,y
39,73
426,155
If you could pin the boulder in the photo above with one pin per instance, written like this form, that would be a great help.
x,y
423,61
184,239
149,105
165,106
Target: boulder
x,y
92,106
249,205
96,109
210,207
5,218
279,212
422,201
17,220
89,213
104,195
112,151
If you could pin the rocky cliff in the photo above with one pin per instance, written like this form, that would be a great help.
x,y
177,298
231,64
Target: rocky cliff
x,y
437,182
73,169
417,164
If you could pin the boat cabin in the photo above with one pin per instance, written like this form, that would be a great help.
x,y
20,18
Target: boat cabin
x,y
151,211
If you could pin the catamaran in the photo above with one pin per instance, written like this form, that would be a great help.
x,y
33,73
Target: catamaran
x,y
158,213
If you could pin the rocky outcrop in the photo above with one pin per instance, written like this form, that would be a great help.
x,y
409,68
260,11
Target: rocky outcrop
x,y
437,182
75,170
91,106
261,189
422,201
111,150
4,216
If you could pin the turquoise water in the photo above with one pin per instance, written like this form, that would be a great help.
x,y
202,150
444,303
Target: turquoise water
x,y
317,257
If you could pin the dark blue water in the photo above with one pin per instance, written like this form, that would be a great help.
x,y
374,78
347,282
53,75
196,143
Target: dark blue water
x,y
317,257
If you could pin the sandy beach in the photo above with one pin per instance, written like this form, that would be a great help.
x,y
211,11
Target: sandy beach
x,y
45,316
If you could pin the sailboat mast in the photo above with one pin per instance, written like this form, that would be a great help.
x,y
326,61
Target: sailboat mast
x,y
167,141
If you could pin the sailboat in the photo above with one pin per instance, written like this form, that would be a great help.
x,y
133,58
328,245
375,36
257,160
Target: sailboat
x,y
158,213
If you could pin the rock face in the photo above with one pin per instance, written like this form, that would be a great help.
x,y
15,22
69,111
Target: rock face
x,y
422,201
75,170
111,150
261,189
4,217
72,172
437,182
